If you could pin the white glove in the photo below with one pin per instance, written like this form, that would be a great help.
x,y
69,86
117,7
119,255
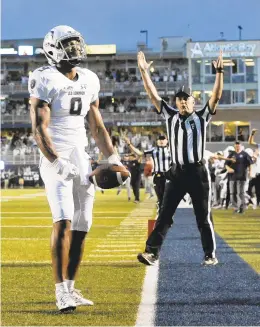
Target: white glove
x,y
65,169
114,160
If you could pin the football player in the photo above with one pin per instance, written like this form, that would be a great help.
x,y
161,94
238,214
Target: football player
x,y
61,95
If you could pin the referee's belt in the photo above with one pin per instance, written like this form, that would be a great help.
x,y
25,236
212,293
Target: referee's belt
x,y
159,174
191,165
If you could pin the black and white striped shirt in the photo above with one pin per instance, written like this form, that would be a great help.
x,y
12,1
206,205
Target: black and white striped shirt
x,y
161,158
187,135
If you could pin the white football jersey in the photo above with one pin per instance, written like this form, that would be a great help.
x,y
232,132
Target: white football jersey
x,y
69,102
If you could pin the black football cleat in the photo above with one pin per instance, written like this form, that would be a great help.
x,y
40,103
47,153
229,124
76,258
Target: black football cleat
x,y
148,259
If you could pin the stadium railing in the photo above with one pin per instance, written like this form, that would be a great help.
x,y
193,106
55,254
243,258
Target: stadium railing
x,y
29,159
108,117
105,86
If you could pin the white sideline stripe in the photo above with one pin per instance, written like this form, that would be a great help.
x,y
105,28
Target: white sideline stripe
x,y
146,311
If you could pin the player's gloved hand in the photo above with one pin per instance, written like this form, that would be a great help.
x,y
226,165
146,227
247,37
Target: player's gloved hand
x,y
65,168
114,160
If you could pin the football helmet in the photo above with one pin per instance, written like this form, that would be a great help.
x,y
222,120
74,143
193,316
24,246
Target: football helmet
x,y
64,43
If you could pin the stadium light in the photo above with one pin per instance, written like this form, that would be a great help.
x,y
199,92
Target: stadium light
x,y
240,31
146,37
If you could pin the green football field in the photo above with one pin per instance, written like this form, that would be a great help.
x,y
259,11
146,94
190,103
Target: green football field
x,y
110,274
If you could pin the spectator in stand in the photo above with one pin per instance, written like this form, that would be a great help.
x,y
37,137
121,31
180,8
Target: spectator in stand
x,y
111,108
6,179
15,138
252,142
238,171
121,108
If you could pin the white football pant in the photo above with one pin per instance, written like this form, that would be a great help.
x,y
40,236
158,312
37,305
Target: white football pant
x,y
68,199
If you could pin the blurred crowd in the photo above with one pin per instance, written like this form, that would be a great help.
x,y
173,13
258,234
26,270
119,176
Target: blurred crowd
x,y
226,178
107,105
21,143
140,141
178,72
132,75
12,78
20,177
14,107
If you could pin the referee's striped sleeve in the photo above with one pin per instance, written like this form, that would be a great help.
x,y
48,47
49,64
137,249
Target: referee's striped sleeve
x,y
167,110
150,151
206,113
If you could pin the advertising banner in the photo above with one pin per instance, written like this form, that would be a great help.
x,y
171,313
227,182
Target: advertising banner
x,y
232,49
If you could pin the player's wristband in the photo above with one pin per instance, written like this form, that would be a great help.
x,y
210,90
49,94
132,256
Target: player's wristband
x,y
220,70
114,159
58,164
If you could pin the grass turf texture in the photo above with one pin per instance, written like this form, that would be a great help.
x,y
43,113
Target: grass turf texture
x,y
241,232
110,272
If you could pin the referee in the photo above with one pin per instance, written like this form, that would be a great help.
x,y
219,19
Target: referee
x,y
186,129
161,164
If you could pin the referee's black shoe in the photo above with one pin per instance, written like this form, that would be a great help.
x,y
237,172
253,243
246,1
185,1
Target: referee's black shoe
x,y
209,261
148,259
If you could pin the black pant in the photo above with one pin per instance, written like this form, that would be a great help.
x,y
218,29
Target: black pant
x,y
252,187
257,188
228,195
159,186
135,183
193,180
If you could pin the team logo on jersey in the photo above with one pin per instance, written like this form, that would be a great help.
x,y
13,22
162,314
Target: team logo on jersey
x,y
33,83
68,88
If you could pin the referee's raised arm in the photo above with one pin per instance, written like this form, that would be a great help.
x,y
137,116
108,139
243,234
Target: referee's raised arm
x,y
148,84
218,86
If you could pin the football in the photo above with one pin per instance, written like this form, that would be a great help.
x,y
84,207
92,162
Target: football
x,y
109,176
